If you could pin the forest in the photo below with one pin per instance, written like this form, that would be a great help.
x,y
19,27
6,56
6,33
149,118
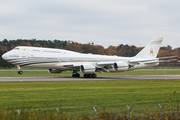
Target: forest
x,y
120,50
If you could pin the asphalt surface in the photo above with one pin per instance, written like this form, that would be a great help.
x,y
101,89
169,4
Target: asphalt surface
x,y
104,78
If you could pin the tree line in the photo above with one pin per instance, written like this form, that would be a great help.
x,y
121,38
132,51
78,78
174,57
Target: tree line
x,y
120,50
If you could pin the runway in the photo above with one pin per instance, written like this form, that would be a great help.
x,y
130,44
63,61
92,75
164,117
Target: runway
x,y
102,78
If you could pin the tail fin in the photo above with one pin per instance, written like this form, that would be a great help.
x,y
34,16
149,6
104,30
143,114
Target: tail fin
x,y
151,50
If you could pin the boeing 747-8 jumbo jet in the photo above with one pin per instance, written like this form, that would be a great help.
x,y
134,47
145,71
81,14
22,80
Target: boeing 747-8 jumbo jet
x,y
58,60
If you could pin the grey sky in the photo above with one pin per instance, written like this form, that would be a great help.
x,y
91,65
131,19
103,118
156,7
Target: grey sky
x,y
104,22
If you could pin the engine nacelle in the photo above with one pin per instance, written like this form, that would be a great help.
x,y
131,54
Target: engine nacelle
x,y
54,70
88,68
121,66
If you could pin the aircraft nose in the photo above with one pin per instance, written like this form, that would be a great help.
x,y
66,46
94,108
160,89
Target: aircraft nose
x,y
5,56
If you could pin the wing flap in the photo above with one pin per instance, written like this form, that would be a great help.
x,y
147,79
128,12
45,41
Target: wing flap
x,y
68,64
104,63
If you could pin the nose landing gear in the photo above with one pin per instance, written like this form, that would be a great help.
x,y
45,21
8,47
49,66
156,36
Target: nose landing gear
x,y
19,72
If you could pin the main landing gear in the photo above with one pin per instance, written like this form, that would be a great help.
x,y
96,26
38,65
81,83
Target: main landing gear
x,y
87,75
93,75
75,74
19,72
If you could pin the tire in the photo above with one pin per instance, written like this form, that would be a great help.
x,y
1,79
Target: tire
x,y
85,75
73,75
20,72
90,76
94,75
77,75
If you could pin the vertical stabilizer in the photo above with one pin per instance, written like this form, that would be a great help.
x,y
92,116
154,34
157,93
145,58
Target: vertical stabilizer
x,y
151,50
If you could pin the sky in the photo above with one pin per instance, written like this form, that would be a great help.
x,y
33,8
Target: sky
x,y
103,22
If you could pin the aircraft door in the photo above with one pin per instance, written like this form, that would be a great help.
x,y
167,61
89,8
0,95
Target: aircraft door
x,y
59,59
28,57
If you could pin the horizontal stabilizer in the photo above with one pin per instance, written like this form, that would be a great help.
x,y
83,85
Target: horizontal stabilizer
x,y
142,60
160,58
161,61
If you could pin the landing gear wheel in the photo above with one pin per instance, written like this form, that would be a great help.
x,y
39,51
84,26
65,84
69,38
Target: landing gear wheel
x,y
76,75
20,72
94,75
85,75
90,75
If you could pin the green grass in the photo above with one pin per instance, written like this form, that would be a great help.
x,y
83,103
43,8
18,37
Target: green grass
x,y
44,73
77,98
80,97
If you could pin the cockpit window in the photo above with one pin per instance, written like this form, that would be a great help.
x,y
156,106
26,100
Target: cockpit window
x,y
16,48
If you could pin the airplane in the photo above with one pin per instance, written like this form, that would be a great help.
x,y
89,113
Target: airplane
x,y
59,60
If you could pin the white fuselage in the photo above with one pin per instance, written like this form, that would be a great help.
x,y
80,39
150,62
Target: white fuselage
x,y
50,58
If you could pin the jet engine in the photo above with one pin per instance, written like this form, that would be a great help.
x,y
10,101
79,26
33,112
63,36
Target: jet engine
x,y
121,66
54,70
88,68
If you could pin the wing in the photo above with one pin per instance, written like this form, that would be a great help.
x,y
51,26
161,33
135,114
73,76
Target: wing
x,y
111,66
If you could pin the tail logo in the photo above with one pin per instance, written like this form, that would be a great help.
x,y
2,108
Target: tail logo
x,y
151,52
